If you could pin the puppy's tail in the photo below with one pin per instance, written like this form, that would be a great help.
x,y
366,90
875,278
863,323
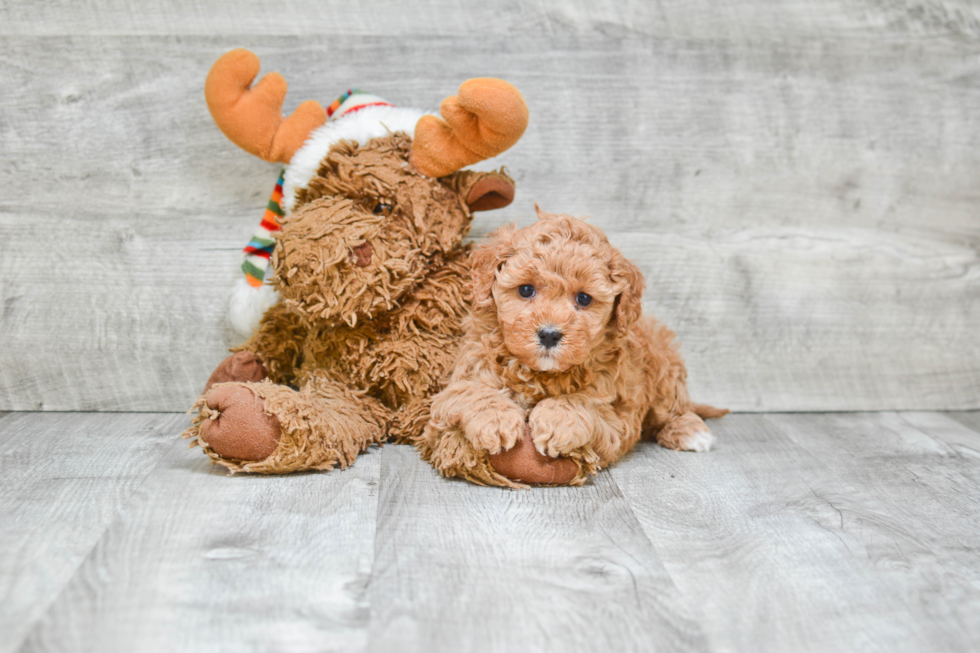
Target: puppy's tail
x,y
704,411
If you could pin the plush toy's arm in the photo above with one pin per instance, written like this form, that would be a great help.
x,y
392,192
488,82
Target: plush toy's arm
x,y
489,420
278,343
560,425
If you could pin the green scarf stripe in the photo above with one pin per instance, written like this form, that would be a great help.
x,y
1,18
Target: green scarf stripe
x,y
254,270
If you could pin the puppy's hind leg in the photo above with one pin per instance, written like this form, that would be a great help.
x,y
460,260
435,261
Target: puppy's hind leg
x,y
686,432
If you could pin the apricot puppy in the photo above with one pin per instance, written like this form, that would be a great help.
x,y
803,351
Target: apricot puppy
x,y
555,350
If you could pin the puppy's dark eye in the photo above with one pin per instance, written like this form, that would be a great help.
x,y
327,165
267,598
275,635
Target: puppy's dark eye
x,y
526,291
583,300
383,209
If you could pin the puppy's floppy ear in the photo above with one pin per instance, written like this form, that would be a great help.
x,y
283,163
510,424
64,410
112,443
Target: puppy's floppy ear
x,y
484,191
485,260
630,284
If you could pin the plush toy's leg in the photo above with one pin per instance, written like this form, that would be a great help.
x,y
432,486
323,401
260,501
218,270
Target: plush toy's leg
x,y
240,366
408,422
237,426
277,344
452,453
686,432
320,426
523,463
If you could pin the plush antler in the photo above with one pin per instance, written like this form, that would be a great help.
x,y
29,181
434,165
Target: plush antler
x,y
252,117
487,117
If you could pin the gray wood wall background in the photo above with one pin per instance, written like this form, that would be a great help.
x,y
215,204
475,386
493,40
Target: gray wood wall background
x,y
798,180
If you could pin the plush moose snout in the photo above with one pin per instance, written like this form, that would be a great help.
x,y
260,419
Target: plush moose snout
x,y
361,255
335,259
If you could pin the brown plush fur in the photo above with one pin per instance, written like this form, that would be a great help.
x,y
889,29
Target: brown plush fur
x,y
371,273
612,376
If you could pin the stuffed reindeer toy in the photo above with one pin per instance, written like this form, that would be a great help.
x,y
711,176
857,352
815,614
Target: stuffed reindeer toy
x,y
355,282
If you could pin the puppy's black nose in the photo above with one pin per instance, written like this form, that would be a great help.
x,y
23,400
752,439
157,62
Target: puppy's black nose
x,y
549,336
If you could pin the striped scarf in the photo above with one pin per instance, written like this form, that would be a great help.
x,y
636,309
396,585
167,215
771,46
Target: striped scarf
x,y
258,252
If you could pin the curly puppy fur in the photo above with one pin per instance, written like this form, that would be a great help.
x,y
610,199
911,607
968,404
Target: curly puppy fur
x,y
611,376
371,268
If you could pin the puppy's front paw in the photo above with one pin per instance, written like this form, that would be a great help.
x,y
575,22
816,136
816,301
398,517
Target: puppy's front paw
x,y
494,431
559,428
686,432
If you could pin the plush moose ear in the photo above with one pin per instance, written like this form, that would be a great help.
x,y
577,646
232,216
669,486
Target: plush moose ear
x,y
629,301
251,116
485,191
486,118
484,263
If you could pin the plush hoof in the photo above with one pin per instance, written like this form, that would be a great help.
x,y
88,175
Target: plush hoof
x,y
242,366
523,463
238,427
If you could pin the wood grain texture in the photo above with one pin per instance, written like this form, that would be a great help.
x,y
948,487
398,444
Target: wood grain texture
x,y
64,477
798,183
820,532
135,326
808,532
462,567
913,492
203,561
970,419
723,19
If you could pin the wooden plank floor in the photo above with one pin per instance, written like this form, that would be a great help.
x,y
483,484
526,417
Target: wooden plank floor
x,y
801,532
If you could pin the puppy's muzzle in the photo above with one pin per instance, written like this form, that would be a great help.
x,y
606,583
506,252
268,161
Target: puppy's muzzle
x,y
549,337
